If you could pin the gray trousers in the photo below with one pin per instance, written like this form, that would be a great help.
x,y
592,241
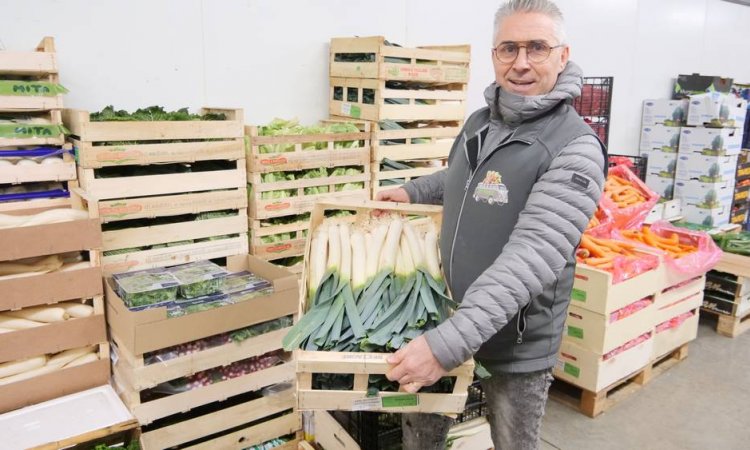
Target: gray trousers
x,y
515,402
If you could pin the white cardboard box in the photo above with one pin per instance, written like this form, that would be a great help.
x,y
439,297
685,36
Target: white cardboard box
x,y
717,109
659,138
710,141
662,163
708,169
665,112
664,186
709,217
656,213
589,371
672,208
705,195
598,333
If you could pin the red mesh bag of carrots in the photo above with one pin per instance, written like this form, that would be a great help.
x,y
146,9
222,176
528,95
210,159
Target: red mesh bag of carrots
x,y
685,251
617,257
600,224
626,198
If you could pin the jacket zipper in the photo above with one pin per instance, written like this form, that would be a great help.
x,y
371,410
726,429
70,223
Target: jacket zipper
x,y
521,323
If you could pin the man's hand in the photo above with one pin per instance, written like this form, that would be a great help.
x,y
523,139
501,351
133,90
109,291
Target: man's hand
x,y
414,366
393,195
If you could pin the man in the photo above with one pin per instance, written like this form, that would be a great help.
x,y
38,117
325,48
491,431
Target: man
x,y
524,177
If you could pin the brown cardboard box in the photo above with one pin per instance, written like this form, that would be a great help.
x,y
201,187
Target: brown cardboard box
x,y
151,329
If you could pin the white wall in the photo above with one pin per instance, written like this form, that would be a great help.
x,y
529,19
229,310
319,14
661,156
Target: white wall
x,y
270,56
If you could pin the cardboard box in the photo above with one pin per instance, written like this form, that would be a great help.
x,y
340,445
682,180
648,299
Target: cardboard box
x,y
593,289
707,169
667,340
710,141
151,329
659,138
705,195
686,85
672,208
590,371
664,186
709,217
600,334
717,110
672,113
662,164
656,213
739,215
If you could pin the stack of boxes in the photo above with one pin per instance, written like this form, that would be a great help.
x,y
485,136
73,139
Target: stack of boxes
x,y
414,97
35,162
741,206
692,147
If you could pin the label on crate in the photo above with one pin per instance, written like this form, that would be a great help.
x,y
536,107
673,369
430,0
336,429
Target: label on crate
x,y
273,161
574,332
119,210
279,248
571,370
278,206
119,155
367,404
347,109
400,401
578,295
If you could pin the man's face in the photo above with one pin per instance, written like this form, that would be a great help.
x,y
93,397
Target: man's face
x,y
522,76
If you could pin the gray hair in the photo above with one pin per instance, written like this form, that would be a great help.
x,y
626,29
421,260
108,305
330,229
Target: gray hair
x,y
546,7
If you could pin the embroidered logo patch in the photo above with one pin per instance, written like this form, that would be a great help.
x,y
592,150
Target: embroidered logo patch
x,y
491,190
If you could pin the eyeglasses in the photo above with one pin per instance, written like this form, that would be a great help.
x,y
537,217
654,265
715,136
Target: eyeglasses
x,y
536,51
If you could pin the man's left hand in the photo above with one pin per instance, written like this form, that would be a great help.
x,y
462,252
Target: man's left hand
x,y
414,366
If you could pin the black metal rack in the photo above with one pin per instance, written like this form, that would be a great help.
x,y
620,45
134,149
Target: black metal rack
x,y
595,104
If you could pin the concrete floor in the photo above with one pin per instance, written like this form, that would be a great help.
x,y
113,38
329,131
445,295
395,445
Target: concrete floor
x,y
701,403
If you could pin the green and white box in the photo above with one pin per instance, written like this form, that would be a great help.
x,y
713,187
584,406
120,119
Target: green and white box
x,y
707,169
711,141
705,195
717,110
659,138
672,113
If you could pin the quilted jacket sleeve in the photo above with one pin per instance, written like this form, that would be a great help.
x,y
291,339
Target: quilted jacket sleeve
x,y
427,189
547,233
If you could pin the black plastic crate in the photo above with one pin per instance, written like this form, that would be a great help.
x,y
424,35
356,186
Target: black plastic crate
x,y
595,104
382,431
637,164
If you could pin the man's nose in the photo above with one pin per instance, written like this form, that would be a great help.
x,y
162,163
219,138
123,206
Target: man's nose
x,y
522,60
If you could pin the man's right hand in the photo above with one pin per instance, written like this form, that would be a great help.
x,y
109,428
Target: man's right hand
x,y
393,195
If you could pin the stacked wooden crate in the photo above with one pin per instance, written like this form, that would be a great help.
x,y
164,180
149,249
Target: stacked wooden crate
x,y
272,216
619,333
166,192
35,162
415,97
727,294
189,382
48,272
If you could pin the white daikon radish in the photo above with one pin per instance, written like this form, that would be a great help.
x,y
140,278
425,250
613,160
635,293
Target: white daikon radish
x,y
5,162
52,160
26,375
36,264
77,310
23,365
84,359
14,323
46,314
26,162
67,356
45,217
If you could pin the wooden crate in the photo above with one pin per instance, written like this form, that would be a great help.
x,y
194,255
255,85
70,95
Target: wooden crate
x,y
592,403
22,103
65,171
439,134
85,130
33,206
307,159
29,135
246,415
121,433
346,99
276,250
448,63
362,365
593,289
260,208
597,333
666,341
41,61
379,176
151,185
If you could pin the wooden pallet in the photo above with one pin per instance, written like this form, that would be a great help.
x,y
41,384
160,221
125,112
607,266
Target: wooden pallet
x,y
448,63
64,171
234,177
29,136
378,176
299,159
283,249
592,404
346,99
260,208
730,326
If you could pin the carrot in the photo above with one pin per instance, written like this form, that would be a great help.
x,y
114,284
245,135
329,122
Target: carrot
x,y
589,245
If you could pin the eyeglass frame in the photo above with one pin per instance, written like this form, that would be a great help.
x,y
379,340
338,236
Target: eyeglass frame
x,y
525,46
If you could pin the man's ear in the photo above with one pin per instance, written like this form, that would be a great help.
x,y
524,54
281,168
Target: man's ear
x,y
564,57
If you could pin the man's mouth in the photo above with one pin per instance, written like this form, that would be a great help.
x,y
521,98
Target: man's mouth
x,y
521,82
